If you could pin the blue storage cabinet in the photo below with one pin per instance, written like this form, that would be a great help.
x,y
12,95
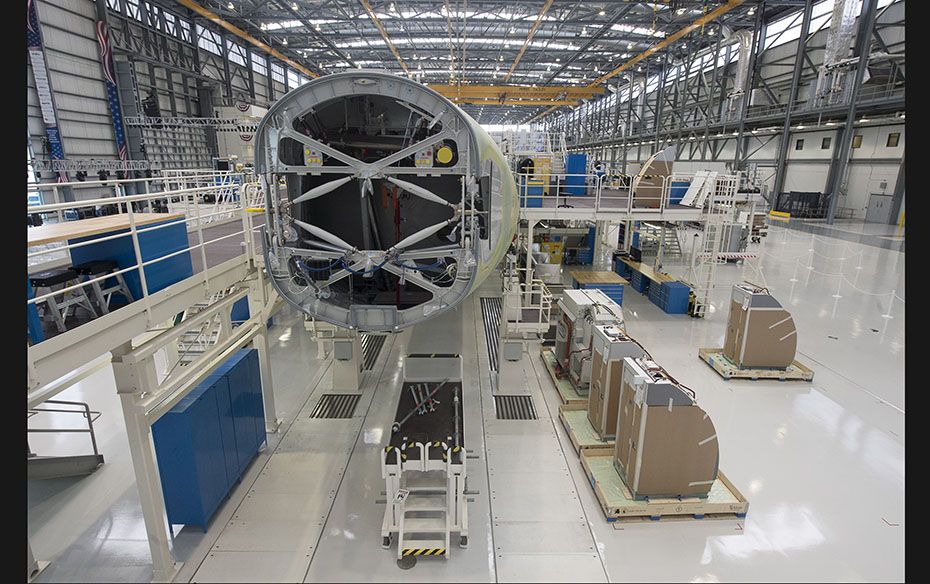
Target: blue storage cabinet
x,y
672,297
531,195
639,282
612,291
584,256
654,292
240,310
33,324
622,269
207,440
575,164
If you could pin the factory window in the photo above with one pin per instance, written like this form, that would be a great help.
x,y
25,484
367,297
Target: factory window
x,y
169,24
235,53
184,28
277,73
799,145
893,140
258,64
292,79
152,15
132,8
857,141
113,5
825,143
208,40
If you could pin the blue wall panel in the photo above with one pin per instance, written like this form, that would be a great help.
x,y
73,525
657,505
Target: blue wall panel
x,y
152,244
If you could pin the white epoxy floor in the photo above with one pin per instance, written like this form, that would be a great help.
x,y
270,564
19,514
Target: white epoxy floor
x,y
821,463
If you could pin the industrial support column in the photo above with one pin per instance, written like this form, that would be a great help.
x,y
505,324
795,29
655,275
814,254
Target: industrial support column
x,y
781,159
530,223
898,199
866,21
259,304
132,381
747,88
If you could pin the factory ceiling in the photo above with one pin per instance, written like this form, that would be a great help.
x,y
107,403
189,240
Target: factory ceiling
x,y
491,56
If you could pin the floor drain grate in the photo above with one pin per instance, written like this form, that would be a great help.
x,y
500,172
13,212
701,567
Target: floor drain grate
x,y
336,405
371,348
515,407
491,311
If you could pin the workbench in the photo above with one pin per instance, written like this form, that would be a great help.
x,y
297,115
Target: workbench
x,y
152,245
609,283
663,290
67,230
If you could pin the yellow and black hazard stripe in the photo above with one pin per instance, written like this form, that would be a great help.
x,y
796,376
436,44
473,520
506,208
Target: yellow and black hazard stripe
x,y
424,551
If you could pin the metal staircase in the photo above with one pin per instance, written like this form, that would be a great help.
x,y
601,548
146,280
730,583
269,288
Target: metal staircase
x,y
650,234
424,528
196,341
426,501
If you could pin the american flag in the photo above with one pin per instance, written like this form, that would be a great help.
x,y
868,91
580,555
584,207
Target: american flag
x,y
109,74
40,74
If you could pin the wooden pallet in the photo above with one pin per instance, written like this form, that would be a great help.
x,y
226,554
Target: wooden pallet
x,y
574,419
566,391
724,501
728,369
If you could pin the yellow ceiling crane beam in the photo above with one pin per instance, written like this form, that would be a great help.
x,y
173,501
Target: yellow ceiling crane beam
x,y
384,34
512,101
512,91
529,38
699,22
214,18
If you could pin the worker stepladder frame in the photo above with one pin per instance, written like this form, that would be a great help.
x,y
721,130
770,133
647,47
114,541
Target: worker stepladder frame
x,y
427,485
718,215
395,471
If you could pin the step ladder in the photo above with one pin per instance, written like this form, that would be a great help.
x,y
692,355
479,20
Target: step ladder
x,y
426,507
424,528
652,233
196,341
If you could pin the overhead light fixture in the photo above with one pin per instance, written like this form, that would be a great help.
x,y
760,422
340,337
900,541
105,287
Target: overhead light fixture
x,y
711,32
230,6
557,60
601,13
293,5
263,26
680,11
284,41
629,45
751,11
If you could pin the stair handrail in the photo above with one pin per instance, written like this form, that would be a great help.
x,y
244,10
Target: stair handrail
x,y
85,411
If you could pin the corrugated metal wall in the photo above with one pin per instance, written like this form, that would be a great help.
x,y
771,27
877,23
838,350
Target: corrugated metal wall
x,y
77,80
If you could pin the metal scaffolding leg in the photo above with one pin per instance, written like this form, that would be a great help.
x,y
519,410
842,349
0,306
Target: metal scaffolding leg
x,y
258,301
260,343
131,381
